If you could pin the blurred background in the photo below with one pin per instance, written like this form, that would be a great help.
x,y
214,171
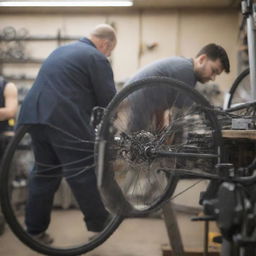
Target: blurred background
x,y
147,31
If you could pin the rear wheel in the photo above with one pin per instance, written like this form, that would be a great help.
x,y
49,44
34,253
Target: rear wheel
x,y
71,238
240,91
145,123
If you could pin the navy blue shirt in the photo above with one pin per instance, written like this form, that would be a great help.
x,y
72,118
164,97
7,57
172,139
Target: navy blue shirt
x,y
75,78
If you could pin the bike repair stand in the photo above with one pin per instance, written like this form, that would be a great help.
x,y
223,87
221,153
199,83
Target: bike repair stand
x,y
173,230
174,235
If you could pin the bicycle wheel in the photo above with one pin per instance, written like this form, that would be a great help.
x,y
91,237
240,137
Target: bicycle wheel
x,y
71,238
240,91
150,130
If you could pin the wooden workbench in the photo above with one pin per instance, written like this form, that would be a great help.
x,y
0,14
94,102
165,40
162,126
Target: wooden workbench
x,y
239,134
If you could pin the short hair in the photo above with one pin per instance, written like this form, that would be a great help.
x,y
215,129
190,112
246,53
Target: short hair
x,y
104,31
214,52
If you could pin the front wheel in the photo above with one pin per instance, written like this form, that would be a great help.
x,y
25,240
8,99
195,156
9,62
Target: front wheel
x,y
17,163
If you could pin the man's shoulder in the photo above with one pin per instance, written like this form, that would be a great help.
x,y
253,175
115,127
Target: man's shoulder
x,y
86,48
77,51
74,46
172,63
176,59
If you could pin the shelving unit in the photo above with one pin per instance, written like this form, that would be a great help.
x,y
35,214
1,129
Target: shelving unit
x,y
23,61
13,47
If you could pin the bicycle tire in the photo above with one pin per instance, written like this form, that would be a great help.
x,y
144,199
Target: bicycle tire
x,y
234,97
6,202
114,190
240,93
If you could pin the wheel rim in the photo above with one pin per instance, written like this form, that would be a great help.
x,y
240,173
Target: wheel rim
x,y
240,91
131,132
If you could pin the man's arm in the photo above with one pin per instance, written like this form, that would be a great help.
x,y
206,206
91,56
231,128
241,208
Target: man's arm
x,y
11,102
102,81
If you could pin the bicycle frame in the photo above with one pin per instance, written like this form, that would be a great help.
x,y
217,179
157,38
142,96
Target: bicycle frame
x,y
249,11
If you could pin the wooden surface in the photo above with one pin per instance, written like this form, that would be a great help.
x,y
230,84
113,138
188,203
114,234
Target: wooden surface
x,y
239,134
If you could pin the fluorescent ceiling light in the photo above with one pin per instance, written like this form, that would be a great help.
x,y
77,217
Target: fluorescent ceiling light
x,y
92,3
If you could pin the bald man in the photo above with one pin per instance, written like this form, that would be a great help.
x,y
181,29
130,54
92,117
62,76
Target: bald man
x,y
73,80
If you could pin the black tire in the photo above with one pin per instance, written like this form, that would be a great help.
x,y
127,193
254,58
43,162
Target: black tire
x,y
2,224
240,91
239,94
20,145
131,179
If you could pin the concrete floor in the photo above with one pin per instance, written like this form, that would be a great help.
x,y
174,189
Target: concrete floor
x,y
135,237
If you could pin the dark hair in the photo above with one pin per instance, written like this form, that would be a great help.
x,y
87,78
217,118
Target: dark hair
x,y
214,52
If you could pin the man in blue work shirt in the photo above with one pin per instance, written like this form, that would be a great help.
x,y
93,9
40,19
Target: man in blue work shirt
x,y
73,80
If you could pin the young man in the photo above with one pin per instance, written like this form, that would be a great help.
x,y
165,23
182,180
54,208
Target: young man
x,y
210,61
75,78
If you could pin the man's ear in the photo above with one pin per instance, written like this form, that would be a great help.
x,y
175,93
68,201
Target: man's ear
x,y
202,58
101,43
104,42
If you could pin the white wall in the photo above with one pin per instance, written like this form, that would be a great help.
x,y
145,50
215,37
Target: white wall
x,y
176,32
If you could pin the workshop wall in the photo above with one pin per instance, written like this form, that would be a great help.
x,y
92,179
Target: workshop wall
x,y
143,36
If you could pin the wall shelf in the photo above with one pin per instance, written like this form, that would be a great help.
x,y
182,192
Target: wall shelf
x,y
21,61
40,38
19,78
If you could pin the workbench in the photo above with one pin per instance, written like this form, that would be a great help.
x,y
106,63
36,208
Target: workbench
x,y
239,148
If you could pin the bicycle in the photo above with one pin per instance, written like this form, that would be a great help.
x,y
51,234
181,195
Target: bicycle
x,y
160,150
141,155
145,146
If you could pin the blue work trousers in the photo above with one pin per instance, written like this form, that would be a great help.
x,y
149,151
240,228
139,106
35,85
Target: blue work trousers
x,y
59,155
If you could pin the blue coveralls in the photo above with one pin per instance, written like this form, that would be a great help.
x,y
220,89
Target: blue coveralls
x,y
72,80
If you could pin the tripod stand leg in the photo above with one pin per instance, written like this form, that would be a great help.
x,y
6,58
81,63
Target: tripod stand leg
x,y
173,230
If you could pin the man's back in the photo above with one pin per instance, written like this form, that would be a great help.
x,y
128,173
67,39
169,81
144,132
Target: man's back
x,y
73,79
175,67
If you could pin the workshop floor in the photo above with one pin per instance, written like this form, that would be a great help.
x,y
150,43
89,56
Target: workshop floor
x,y
135,237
